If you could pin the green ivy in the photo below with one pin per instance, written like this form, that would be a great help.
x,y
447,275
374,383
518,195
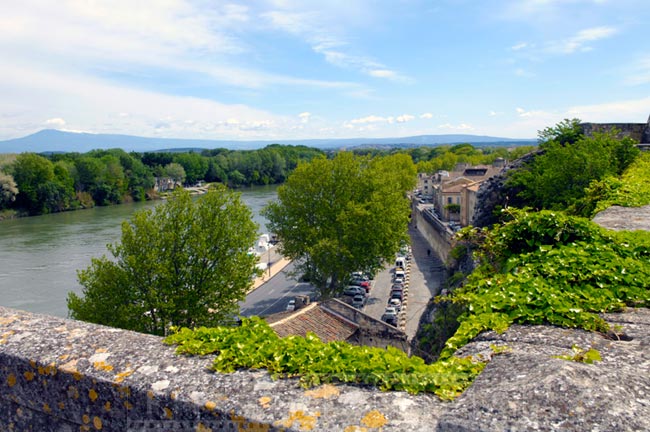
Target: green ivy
x,y
581,355
254,345
631,190
550,268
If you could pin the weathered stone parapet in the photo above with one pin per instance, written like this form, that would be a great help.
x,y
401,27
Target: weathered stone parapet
x,y
63,375
58,374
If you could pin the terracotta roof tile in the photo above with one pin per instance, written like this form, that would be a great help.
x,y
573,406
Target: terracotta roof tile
x,y
327,326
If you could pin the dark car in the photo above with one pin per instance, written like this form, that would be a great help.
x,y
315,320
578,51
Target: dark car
x,y
397,294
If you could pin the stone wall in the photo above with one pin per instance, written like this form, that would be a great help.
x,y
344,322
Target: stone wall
x,y
436,233
639,132
63,375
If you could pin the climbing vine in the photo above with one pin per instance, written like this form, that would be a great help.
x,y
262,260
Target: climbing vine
x,y
255,345
550,268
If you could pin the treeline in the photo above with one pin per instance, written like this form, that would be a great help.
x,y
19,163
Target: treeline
x,y
446,157
39,184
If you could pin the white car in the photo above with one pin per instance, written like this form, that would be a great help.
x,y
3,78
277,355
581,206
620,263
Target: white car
x,y
395,303
390,311
292,305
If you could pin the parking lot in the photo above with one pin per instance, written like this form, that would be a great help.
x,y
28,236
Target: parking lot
x,y
424,276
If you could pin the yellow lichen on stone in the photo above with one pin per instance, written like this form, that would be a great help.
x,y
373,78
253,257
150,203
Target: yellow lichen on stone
x,y
92,394
150,394
11,380
168,413
29,376
107,406
46,408
210,406
201,428
32,363
61,405
305,422
64,357
355,428
374,419
128,405
325,391
84,428
264,401
8,320
77,376
85,418
122,375
100,350
97,422
102,366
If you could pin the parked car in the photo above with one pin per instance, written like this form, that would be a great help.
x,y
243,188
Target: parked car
x,y
395,303
354,290
399,274
390,311
358,301
397,295
390,319
398,281
291,306
397,287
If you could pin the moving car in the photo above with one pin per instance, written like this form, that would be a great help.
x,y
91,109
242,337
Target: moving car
x,y
292,305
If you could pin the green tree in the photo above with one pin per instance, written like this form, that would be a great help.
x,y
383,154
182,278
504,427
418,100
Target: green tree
x,y
8,190
195,165
335,216
175,171
30,171
184,263
569,163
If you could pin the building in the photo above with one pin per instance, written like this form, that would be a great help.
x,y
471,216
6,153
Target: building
x,y
334,320
454,192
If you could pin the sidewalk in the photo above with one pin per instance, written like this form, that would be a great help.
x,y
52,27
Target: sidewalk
x,y
278,262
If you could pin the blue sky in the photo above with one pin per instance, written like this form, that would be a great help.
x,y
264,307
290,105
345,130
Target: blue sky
x,y
285,69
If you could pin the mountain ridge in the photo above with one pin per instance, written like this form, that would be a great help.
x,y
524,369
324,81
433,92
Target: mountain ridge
x,y
53,140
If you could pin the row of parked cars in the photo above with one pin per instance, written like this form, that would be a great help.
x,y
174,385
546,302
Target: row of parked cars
x,y
397,292
359,289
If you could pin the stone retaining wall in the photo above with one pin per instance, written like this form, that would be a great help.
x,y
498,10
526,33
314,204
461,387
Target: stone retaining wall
x,y
63,375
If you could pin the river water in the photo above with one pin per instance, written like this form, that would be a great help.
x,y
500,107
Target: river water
x,y
40,255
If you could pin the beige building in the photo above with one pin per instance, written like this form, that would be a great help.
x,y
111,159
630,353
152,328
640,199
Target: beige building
x,y
458,188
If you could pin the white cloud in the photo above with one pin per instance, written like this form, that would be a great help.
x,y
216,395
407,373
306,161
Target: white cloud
x,y
304,117
372,119
382,73
579,41
319,30
493,113
93,105
519,46
57,121
623,111
426,116
404,118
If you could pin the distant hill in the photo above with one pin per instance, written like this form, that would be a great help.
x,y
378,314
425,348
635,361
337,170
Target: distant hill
x,y
50,140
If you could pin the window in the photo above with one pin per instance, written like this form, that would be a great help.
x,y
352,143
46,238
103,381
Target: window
x,y
449,200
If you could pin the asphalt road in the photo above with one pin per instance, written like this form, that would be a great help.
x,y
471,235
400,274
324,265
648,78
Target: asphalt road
x,y
274,295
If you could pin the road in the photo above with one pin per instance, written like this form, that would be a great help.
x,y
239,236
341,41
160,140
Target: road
x,y
426,274
273,296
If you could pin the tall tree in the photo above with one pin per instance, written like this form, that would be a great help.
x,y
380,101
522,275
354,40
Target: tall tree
x,y
335,216
184,263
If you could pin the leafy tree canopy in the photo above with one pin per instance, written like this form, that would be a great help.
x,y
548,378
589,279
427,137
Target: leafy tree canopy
x,y
335,216
183,263
570,162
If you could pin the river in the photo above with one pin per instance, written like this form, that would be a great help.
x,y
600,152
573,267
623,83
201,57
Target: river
x,y
40,255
